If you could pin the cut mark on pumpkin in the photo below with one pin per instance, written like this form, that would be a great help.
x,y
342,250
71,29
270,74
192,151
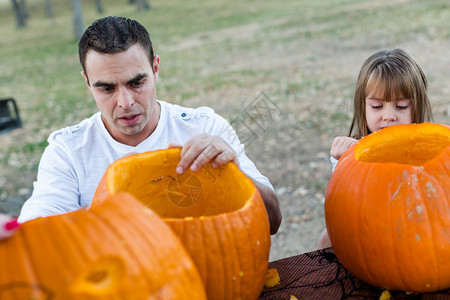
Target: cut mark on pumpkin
x,y
97,277
103,277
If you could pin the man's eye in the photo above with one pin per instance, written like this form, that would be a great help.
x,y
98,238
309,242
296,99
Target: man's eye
x,y
137,84
107,90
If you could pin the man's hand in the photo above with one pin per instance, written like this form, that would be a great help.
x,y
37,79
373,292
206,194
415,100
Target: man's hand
x,y
201,149
340,144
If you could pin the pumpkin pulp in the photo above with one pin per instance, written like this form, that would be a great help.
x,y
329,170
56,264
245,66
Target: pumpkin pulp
x,y
190,195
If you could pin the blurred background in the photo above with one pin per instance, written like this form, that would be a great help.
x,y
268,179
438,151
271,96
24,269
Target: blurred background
x,y
282,72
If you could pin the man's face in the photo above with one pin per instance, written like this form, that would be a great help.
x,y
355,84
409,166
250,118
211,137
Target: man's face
x,y
123,86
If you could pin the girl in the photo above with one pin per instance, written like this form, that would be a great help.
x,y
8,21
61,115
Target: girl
x,y
391,90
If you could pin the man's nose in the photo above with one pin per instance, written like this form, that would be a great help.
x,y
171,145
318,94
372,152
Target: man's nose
x,y
125,99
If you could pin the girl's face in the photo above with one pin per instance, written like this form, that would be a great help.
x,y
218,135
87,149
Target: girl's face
x,y
381,114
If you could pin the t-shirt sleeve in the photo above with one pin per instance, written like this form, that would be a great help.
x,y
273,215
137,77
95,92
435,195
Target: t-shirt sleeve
x,y
223,128
334,162
56,188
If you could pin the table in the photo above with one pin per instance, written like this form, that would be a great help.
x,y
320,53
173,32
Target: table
x,y
319,275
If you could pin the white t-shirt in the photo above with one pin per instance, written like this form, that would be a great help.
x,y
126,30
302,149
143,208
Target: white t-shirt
x,y
334,162
76,158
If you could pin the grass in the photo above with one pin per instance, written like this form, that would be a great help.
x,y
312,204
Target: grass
x,y
211,52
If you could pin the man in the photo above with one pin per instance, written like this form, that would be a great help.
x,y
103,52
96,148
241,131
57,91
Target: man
x,y
121,70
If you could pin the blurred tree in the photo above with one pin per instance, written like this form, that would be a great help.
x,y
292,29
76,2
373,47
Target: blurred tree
x,y
141,4
99,6
49,8
19,14
78,24
24,8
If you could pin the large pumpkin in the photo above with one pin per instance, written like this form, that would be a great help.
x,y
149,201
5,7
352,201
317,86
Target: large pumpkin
x,y
117,250
387,208
218,214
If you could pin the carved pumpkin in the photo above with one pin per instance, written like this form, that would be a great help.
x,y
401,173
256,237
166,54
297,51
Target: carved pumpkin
x,y
218,214
117,250
387,208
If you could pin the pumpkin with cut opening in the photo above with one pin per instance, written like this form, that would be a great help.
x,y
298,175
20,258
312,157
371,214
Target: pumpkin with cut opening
x,y
387,208
218,214
119,249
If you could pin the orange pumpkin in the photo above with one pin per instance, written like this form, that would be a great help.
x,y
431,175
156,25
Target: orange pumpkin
x,y
117,250
387,208
217,212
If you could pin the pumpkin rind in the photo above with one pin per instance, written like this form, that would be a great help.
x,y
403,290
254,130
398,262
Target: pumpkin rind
x,y
389,222
225,228
119,249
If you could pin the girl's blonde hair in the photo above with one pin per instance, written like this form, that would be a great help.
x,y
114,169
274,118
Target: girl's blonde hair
x,y
395,74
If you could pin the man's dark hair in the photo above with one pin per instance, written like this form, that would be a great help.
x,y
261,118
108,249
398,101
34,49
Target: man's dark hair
x,y
111,35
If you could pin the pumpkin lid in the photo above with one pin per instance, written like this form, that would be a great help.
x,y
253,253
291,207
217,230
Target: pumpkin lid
x,y
411,144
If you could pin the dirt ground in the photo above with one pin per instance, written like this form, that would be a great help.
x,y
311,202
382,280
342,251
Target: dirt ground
x,y
292,148
291,143
312,88
289,121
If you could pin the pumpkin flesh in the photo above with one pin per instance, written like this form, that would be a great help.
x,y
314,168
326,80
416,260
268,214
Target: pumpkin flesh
x,y
387,208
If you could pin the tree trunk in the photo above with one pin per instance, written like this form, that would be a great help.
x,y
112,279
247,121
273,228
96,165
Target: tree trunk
x,y
78,25
99,6
49,8
143,5
24,9
20,18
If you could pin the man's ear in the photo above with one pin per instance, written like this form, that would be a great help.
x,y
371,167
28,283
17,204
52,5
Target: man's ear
x,y
86,79
156,66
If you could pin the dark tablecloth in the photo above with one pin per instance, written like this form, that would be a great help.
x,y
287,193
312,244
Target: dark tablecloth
x,y
319,275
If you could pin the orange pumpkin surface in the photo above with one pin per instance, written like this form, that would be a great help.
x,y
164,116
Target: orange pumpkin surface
x,y
387,208
117,250
217,212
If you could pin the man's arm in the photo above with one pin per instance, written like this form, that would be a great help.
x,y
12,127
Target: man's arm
x,y
56,188
272,206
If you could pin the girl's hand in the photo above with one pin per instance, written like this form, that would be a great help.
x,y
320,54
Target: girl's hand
x,y
7,226
340,145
